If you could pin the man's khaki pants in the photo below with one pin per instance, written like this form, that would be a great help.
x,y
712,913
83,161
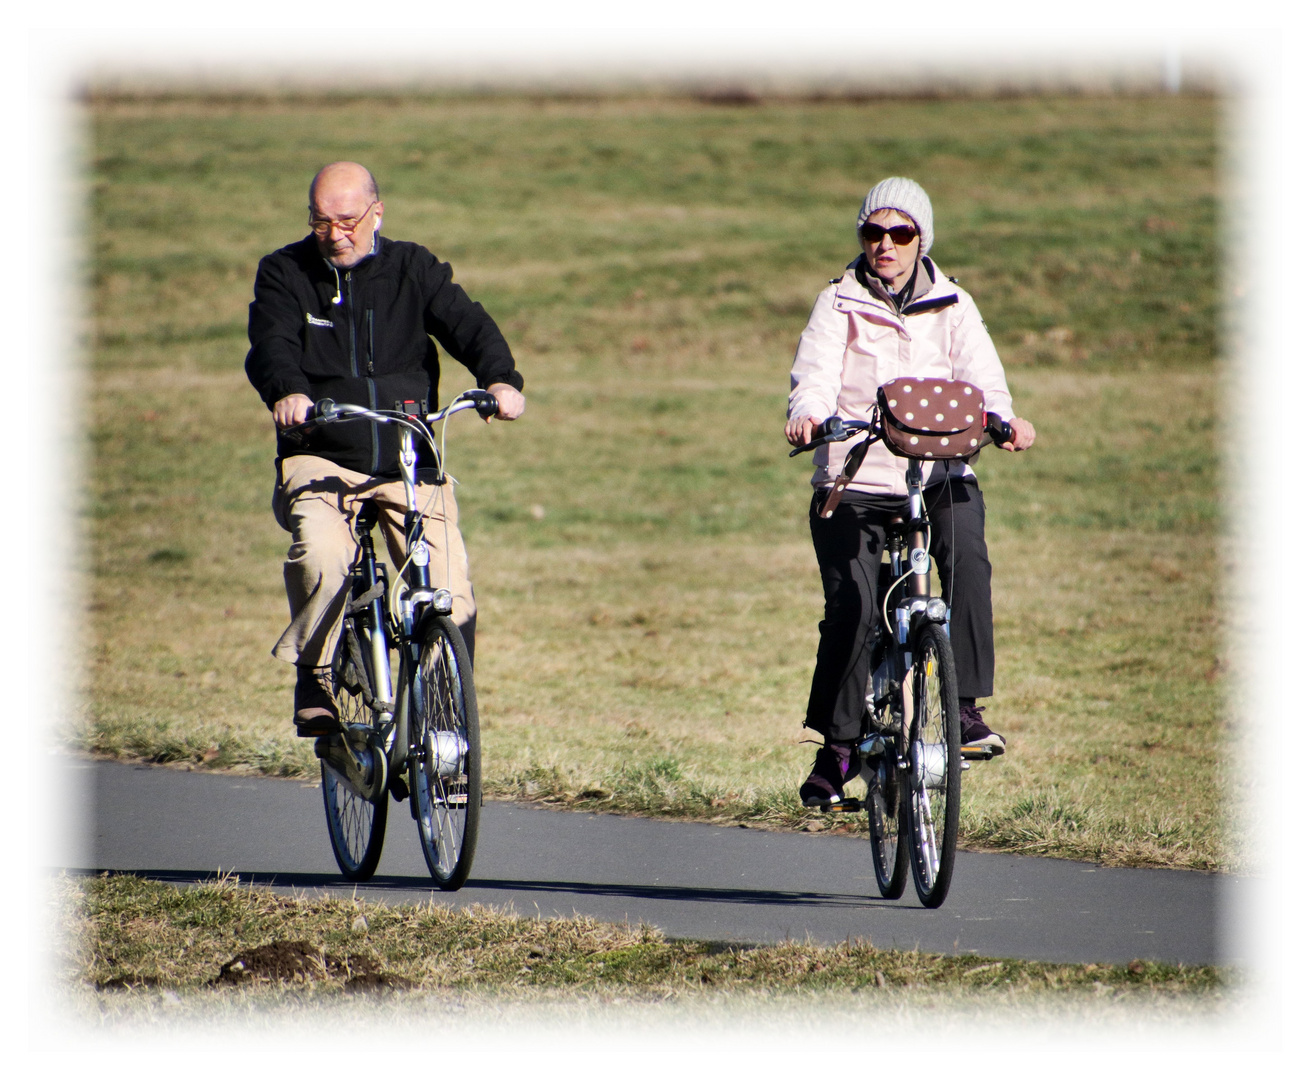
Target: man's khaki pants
x,y
316,502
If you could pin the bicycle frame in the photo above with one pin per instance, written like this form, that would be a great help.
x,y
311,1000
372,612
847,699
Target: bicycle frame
x,y
907,542
393,612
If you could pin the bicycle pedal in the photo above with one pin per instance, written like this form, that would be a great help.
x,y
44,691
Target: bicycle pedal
x,y
976,753
847,806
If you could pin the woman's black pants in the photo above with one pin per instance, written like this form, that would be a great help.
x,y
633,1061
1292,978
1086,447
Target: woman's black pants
x,y
849,546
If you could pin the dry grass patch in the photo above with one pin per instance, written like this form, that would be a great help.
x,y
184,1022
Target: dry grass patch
x,y
129,941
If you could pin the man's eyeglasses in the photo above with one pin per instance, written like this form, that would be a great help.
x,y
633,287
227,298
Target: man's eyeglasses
x,y
902,235
322,227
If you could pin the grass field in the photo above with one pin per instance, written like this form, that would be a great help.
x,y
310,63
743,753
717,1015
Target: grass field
x,y
135,948
647,591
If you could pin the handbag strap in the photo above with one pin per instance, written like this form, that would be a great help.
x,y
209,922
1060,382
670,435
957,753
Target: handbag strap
x,y
848,470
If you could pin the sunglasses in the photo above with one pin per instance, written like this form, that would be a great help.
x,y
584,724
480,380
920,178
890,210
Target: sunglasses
x,y
901,235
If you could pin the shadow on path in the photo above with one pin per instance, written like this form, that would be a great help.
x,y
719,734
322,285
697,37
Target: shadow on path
x,y
395,883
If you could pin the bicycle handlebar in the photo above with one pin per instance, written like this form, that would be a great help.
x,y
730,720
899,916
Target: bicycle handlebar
x,y
327,411
835,429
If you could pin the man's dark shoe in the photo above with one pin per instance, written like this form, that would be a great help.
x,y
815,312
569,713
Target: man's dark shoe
x,y
973,732
834,766
316,712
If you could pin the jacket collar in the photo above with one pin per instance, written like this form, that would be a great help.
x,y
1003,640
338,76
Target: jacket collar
x,y
859,289
363,268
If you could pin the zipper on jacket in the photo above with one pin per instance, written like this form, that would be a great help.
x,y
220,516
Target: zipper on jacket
x,y
350,311
372,389
373,426
354,369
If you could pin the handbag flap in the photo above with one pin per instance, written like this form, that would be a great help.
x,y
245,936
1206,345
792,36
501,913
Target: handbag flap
x,y
931,418
931,406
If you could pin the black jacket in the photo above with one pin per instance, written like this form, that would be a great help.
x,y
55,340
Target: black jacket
x,y
370,348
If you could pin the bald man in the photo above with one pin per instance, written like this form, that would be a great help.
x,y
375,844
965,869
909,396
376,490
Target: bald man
x,y
348,314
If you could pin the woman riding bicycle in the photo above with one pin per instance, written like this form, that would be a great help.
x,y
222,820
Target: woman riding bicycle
x,y
892,314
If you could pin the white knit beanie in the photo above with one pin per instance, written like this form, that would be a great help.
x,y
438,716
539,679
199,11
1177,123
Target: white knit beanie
x,y
898,193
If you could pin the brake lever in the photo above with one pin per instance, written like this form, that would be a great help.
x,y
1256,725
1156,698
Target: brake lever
x,y
834,429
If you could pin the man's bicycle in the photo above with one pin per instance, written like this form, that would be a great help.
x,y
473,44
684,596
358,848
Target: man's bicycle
x,y
403,682
910,753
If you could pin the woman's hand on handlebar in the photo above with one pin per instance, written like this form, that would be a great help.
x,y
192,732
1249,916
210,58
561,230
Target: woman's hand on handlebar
x,y
800,430
1024,435
511,402
291,410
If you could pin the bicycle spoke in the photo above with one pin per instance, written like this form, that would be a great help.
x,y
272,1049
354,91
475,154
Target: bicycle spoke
x,y
446,742
935,767
928,837
356,826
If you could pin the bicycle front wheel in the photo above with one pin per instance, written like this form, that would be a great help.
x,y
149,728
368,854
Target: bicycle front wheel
x,y
930,804
446,768
356,825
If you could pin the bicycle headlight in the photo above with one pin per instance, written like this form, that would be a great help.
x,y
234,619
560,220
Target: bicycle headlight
x,y
936,609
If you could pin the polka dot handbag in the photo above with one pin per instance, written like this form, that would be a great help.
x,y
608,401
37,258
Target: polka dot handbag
x,y
934,419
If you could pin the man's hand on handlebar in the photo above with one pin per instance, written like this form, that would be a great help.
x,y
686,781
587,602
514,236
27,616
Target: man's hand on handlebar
x,y
511,402
800,430
291,410
1024,435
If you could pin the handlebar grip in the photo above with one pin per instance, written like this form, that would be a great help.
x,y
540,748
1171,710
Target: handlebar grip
x,y
832,430
321,411
998,429
485,402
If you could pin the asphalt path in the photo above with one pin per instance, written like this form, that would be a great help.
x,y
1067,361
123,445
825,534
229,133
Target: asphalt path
x,y
691,880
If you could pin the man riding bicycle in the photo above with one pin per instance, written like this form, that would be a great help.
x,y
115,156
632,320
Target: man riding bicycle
x,y
347,314
892,314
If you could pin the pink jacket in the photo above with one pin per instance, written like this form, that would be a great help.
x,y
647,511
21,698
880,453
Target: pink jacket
x,y
855,342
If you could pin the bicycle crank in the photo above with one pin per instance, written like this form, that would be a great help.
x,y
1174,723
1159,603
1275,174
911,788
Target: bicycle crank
x,y
364,768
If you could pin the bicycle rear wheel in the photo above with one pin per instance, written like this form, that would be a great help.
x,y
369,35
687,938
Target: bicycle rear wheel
x,y
891,852
930,806
446,769
357,826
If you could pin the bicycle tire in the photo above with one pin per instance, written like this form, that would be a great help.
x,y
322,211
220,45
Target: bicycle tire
x,y
887,840
930,808
356,826
446,767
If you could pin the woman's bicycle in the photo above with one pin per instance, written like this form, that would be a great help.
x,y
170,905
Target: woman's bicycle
x,y
403,682
911,758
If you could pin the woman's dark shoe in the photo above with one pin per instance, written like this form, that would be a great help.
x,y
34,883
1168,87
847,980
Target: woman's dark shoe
x,y
973,732
834,766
